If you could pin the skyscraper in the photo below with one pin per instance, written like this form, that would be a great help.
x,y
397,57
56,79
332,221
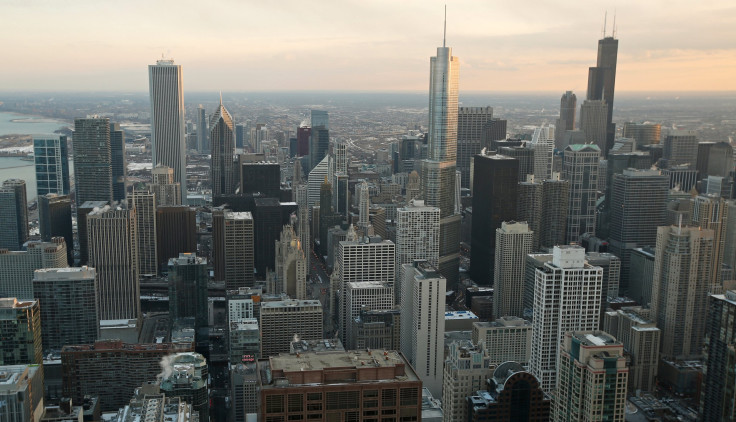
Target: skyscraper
x,y
20,329
176,232
203,145
284,319
16,267
417,236
291,265
682,274
13,214
237,244
568,104
494,195
188,289
162,185
602,82
513,243
555,202
319,137
580,168
93,179
52,164
681,147
644,133
223,147
55,220
467,368
719,379
113,252
593,115
567,297
144,203
119,162
168,138
543,145
472,123
712,212
422,322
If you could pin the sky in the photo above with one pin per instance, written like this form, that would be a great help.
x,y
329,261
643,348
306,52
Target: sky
x,y
366,45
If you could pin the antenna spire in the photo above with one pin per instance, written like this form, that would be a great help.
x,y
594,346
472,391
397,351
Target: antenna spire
x,y
444,33
605,18
614,24
220,97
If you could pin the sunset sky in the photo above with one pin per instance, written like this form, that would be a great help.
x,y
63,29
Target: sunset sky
x,y
529,45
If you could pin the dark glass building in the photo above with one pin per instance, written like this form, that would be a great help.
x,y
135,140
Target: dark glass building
x,y
52,164
602,82
260,177
13,214
55,220
176,232
119,163
93,169
513,395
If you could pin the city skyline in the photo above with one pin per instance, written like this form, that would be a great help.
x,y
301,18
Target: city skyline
x,y
294,46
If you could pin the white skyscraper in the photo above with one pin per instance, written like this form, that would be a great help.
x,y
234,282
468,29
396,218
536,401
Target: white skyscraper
x,y
315,180
374,294
363,205
417,236
543,144
567,297
423,322
513,242
168,137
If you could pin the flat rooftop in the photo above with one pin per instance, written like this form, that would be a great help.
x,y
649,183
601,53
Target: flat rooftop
x,y
369,358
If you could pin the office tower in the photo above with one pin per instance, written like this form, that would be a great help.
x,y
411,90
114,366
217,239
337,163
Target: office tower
x,y
240,135
188,289
638,200
568,104
376,329
224,176
319,137
494,195
314,182
243,394
367,259
17,267
20,330
364,205
682,275
417,236
303,134
168,142
714,159
529,207
364,294
506,339
611,265
21,392
567,297
580,169
555,203
244,340
176,232
471,126
111,369
258,134
602,82
593,122
93,173
291,265
423,305
711,212
513,394
526,159
282,321
151,405
144,203
681,147
186,376
236,244
55,220
643,133
386,385
203,145
162,185
113,252
82,213
260,178
641,275
543,144
119,162
466,369
13,214
729,247
52,164
641,338
716,399
592,379
513,242
319,118
269,217
69,309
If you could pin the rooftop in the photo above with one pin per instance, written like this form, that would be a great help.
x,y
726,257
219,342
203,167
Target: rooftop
x,y
460,315
13,303
289,303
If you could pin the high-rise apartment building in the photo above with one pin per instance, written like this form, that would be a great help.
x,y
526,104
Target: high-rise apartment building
x,y
580,169
638,207
423,322
119,162
13,214
17,267
593,115
417,235
592,379
543,144
168,137
69,309
681,147
712,212
20,330
52,164
682,275
374,295
188,289
144,203
222,141
567,297
203,145
55,220
719,378
467,368
113,252
282,321
494,195
641,338
506,339
529,207
602,82
236,242
162,184
93,179
555,203
339,385
471,128
513,243
566,121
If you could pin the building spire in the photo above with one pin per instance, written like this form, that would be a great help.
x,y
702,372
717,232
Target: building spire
x,y
613,35
444,32
220,98
605,18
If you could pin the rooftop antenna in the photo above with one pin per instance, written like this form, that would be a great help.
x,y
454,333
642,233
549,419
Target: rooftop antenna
x,y
220,97
614,24
679,224
605,18
444,33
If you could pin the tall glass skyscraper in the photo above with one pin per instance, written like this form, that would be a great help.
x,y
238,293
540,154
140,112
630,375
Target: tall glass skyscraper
x,y
223,146
92,160
168,138
52,164
602,81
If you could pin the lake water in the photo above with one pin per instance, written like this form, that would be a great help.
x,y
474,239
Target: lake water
x,y
15,168
23,124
